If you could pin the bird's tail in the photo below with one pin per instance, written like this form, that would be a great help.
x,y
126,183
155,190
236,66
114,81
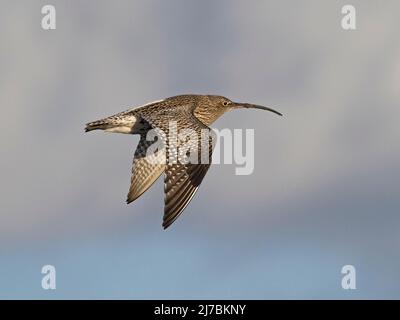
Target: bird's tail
x,y
102,124
120,123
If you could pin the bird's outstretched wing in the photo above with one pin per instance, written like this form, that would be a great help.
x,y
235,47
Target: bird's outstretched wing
x,y
182,177
146,168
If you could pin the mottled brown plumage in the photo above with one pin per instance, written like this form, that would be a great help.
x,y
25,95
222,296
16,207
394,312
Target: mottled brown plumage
x,y
181,179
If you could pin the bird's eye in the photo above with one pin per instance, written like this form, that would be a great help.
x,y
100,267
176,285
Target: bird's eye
x,y
225,103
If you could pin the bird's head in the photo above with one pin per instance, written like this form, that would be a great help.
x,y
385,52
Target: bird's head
x,y
226,103
213,107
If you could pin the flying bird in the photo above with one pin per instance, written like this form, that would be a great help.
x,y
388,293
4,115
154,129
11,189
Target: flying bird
x,y
181,178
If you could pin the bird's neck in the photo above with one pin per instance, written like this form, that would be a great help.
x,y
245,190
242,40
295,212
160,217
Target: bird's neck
x,y
208,114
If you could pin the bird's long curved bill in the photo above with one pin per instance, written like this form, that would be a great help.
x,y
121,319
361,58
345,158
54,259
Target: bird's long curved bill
x,y
256,106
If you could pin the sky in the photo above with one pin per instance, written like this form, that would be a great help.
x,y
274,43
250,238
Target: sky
x,y
325,188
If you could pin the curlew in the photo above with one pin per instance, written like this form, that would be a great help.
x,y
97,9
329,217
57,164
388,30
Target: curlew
x,y
181,178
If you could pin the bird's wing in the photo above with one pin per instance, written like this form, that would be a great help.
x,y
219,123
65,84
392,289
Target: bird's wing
x,y
146,168
180,185
181,180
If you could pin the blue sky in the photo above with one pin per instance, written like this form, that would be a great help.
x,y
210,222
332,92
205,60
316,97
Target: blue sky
x,y
324,192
